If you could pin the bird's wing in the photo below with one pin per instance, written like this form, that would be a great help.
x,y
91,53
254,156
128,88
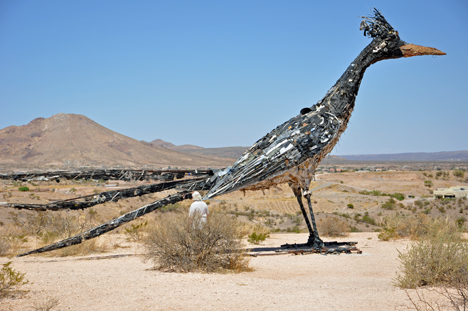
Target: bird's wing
x,y
290,144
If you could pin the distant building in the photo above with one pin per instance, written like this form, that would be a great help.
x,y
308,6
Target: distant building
x,y
452,192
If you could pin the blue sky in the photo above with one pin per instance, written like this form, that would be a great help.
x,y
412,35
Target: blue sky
x,y
225,73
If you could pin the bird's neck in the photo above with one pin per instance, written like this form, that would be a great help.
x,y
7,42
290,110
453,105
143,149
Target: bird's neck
x,y
340,99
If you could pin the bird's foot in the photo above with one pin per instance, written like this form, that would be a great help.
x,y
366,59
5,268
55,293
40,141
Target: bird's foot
x,y
315,242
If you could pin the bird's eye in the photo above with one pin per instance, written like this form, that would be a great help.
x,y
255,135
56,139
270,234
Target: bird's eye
x,y
305,110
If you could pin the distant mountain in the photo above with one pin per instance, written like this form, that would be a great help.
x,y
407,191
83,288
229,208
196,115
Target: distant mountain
x,y
227,152
72,139
161,143
334,160
417,156
168,145
223,152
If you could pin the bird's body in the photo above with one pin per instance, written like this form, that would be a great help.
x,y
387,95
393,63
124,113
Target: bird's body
x,y
292,151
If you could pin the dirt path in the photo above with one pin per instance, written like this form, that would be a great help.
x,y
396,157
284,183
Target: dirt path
x,y
286,282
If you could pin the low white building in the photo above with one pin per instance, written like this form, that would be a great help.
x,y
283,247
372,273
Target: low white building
x,y
452,192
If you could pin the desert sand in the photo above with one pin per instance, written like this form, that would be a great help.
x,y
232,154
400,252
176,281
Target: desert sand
x,y
283,282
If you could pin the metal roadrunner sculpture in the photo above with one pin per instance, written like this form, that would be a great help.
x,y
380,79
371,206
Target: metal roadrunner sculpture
x,y
292,151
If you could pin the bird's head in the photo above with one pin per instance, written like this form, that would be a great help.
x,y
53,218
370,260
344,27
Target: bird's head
x,y
387,42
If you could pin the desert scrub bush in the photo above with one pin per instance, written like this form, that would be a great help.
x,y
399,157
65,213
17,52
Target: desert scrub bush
x,y
389,205
96,245
13,239
48,227
176,207
10,279
32,223
458,173
247,228
294,229
24,188
332,227
345,215
173,244
421,203
396,227
460,221
417,228
442,298
48,304
296,219
439,258
270,222
135,232
397,195
368,219
373,192
428,183
256,238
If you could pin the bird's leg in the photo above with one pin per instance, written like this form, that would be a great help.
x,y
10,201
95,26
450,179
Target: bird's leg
x,y
298,194
315,239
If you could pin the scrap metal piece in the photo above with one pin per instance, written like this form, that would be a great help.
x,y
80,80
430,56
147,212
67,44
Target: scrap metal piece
x,y
103,197
113,224
106,174
329,248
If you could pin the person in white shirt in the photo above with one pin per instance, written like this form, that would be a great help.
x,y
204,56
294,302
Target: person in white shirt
x,y
198,211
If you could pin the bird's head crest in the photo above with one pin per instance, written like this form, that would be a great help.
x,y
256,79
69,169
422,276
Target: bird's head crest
x,y
377,26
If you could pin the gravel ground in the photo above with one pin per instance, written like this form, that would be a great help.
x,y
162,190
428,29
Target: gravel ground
x,y
284,282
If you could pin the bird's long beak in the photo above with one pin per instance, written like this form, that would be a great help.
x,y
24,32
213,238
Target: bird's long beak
x,y
409,50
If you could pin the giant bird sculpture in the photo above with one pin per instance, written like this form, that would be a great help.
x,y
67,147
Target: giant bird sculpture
x,y
292,151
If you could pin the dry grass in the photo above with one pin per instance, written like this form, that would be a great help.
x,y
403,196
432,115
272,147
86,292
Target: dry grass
x,y
63,225
10,279
333,227
439,298
248,228
12,240
48,304
397,226
437,260
45,228
4,246
434,260
173,244
96,245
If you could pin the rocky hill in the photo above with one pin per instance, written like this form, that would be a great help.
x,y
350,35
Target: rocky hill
x,y
75,140
222,152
